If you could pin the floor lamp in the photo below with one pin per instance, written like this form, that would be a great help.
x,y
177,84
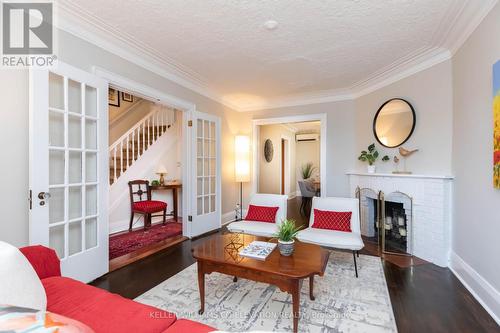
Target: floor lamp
x,y
241,164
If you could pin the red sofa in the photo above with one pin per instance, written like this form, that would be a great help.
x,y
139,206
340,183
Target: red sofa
x,y
100,310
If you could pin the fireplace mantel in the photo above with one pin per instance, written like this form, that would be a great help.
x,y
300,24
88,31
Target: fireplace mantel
x,y
396,175
432,215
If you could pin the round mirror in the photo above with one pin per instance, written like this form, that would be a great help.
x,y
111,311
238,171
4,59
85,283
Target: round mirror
x,y
394,123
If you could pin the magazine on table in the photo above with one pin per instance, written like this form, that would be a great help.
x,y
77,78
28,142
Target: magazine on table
x,y
258,250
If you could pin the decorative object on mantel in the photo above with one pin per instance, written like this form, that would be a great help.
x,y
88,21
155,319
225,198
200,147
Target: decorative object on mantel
x,y
404,153
286,234
371,156
496,125
394,123
396,162
268,150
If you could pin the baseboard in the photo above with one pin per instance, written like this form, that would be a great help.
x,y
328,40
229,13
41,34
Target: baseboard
x,y
228,218
481,289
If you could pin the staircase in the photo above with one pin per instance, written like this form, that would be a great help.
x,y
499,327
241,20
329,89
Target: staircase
x,y
131,145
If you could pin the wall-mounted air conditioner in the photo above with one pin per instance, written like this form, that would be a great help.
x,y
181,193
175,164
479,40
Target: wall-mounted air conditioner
x,y
307,137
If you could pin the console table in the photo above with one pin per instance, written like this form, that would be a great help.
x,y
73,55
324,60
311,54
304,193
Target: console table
x,y
174,187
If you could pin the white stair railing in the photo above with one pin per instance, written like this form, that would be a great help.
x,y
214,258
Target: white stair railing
x,y
131,145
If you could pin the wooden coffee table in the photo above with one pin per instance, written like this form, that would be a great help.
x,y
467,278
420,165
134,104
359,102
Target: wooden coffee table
x,y
219,253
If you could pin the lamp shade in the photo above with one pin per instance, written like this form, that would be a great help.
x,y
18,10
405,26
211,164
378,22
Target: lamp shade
x,y
242,158
161,169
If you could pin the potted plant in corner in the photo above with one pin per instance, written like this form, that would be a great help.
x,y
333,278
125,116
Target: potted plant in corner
x,y
307,170
371,156
287,231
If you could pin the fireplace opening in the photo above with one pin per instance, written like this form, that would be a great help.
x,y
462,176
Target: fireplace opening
x,y
390,229
395,228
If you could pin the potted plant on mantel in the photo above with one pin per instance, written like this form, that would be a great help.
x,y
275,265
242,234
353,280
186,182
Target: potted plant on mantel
x,y
371,156
286,234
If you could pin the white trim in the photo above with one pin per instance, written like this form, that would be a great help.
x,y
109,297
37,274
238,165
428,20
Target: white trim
x,y
142,90
287,164
321,117
451,34
396,175
478,286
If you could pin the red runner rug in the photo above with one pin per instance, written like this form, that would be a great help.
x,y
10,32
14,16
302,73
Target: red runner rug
x,y
125,243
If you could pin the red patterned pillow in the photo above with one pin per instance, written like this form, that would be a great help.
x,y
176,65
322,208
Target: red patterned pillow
x,y
262,214
340,221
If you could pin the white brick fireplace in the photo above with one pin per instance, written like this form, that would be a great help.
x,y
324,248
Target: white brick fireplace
x,y
431,220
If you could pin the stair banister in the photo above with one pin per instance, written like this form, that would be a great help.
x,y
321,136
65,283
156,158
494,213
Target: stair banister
x,y
156,122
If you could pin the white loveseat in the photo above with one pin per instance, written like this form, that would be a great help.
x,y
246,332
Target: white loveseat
x,y
262,228
331,238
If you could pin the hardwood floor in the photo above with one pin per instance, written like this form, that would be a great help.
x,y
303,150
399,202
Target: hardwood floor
x,y
425,297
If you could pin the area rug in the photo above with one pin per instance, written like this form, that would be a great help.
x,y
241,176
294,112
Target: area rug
x,y
128,242
343,303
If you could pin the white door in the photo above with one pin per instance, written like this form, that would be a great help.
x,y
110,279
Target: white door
x,y
206,174
68,168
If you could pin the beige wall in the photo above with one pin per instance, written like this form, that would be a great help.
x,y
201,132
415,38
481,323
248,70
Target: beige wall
x,y
476,226
307,151
430,93
15,131
128,119
270,172
115,112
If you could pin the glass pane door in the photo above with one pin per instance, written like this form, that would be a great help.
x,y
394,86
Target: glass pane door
x,y
73,165
206,165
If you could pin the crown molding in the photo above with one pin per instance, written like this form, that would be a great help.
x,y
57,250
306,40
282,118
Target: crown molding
x,y
395,72
452,32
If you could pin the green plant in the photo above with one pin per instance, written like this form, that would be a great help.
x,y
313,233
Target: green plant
x,y
287,231
307,170
155,183
371,155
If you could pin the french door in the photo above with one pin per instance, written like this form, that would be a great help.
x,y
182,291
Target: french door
x,y
68,168
206,176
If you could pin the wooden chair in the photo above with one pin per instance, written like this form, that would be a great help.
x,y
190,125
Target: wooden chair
x,y
145,207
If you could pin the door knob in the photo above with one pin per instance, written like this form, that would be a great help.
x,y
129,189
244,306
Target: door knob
x,y
44,195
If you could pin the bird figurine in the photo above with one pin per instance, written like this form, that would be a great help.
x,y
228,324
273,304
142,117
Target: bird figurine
x,y
405,152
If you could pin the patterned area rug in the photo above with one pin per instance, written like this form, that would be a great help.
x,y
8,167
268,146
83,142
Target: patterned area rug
x,y
343,303
125,243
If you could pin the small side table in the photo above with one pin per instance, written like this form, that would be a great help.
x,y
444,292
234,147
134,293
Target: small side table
x,y
174,187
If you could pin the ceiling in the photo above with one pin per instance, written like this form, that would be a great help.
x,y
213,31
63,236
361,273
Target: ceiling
x,y
320,48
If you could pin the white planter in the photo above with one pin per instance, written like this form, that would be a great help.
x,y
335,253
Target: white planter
x,y
286,248
372,168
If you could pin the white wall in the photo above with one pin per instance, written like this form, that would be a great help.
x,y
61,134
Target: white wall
x,y
340,140
476,228
270,172
15,131
430,93
128,118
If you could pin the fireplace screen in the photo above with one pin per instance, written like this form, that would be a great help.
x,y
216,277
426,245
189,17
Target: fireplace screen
x,y
386,220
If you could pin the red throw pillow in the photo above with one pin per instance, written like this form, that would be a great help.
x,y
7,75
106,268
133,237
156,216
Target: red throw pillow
x,y
262,214
339,221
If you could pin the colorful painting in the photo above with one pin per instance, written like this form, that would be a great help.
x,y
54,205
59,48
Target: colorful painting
x,y
496,125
